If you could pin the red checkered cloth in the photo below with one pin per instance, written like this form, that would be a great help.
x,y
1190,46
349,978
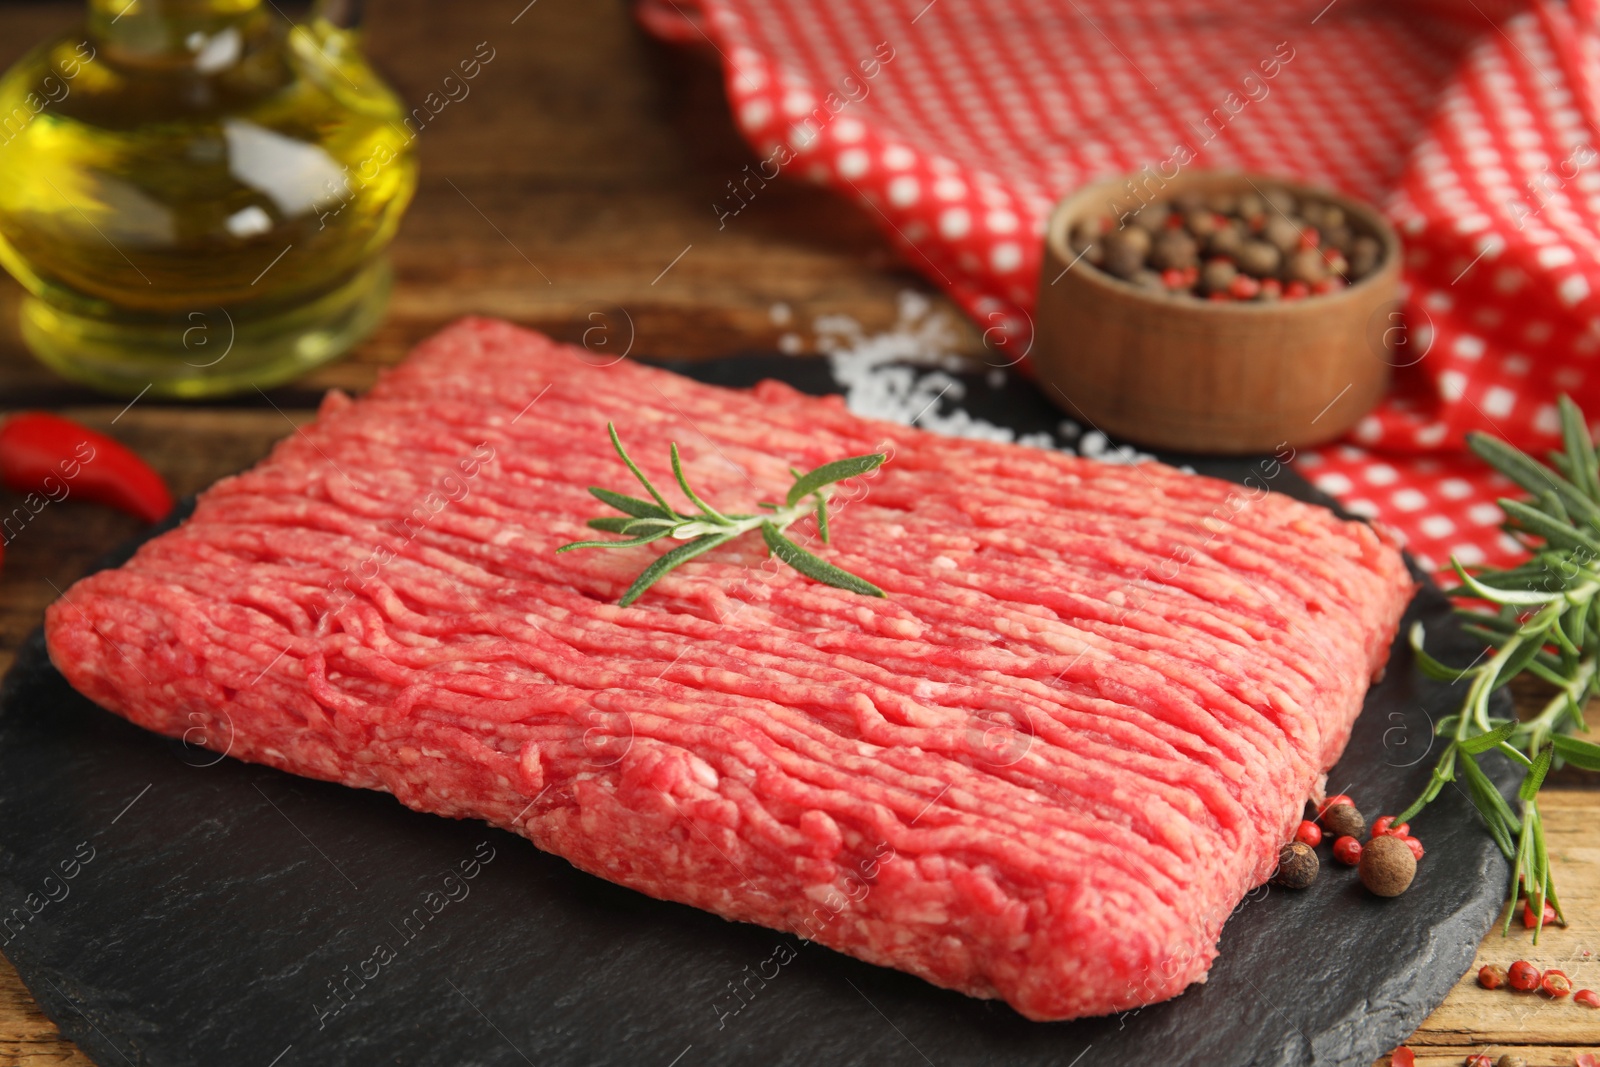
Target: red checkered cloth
x,y
959,123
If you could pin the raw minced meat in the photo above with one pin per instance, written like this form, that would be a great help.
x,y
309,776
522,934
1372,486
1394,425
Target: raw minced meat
x,y
1045,768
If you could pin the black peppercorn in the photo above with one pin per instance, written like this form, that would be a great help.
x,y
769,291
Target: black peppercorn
x,y
1306,265
1364,255
1222,245
1202,223
1174,250
1282,234
1125,251
1217,275
1343,820
1151,217
1260,259
1387,866
1297,866
1251,206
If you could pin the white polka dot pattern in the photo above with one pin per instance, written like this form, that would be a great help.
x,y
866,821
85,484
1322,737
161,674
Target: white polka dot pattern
x,y
960,122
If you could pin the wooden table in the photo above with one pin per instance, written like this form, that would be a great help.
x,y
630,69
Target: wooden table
x,y
584,163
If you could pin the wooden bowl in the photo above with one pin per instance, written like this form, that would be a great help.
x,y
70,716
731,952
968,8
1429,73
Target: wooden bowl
x,y
1190,375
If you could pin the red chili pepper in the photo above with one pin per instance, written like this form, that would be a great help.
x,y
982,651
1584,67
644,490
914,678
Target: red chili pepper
x,y
1587,997
1530,921
57,458
1403,1057
1482,1059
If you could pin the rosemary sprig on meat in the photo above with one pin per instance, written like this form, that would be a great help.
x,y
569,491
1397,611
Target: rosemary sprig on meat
x,y
1546,623
644,521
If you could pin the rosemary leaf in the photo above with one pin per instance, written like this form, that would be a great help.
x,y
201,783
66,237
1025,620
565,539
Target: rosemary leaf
x,y
828,473
1535,776
1519,869
1508,666
1581,754
1547,625
1532,475
1476,746
642,521
1497,624
666,563
1502,596
631,542
1491,637
694,498
1548,668
631,505
1550,504
812,567
1541,866
1556,532
1497,814
616,443
1585,468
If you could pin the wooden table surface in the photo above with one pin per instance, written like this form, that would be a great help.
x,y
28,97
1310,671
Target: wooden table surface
x,y
586,161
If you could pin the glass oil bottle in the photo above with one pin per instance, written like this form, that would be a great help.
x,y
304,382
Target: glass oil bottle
x,y
198,195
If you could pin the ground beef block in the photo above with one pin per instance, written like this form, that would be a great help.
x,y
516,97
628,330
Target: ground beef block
x,y
1045,768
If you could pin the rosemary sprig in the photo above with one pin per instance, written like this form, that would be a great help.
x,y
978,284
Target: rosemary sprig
x,y
644,521
1546,623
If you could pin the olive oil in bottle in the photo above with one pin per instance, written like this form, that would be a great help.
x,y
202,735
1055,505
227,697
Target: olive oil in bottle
x,y
198,195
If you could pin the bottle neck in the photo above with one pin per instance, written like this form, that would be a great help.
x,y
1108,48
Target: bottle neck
x,y
157,30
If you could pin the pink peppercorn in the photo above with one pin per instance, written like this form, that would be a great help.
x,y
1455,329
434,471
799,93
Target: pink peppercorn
x,y
1347,850
1528,917
1523,976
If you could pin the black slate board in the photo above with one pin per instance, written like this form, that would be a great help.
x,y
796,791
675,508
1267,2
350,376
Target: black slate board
x,y
222,898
